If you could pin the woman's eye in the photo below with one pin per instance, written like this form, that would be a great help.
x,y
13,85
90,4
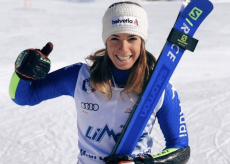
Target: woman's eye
x,y
132,38
114,38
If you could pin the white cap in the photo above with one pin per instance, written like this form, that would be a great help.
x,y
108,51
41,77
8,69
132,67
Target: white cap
x,y
125,18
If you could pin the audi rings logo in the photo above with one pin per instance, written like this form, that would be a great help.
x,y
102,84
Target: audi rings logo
x,y
90,106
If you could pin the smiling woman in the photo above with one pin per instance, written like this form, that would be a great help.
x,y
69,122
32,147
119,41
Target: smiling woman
x,y
123,49
123,52
106,90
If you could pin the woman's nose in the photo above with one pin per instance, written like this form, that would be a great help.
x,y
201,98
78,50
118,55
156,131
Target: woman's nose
x,y
124,46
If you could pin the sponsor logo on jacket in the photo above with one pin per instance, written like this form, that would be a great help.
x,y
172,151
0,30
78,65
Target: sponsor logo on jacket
x,y
89,106
97,134
87,87
182,129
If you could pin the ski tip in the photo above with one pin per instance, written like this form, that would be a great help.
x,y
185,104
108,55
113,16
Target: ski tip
x,y
184,4
211,5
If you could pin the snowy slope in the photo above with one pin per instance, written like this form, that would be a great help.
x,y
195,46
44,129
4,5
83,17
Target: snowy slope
x,y
47,133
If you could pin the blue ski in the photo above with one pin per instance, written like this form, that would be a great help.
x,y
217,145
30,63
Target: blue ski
x,y
187,23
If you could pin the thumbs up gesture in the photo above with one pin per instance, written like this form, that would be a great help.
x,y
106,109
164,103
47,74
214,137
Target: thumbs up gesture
x,y
33,64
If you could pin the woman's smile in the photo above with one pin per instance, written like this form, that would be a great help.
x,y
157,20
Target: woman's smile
x,y
123,58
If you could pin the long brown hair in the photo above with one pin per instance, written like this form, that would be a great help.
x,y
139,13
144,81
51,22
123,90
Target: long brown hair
x,y
100,74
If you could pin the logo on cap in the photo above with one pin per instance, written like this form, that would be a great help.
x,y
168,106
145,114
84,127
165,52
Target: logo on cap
x,y
125,20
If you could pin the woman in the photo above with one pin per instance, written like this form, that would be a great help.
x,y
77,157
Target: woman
x,y
106,90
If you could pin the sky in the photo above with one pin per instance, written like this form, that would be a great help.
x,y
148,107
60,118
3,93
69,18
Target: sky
x,y
47,133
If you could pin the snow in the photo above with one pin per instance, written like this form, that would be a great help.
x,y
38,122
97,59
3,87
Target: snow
x,y
47,133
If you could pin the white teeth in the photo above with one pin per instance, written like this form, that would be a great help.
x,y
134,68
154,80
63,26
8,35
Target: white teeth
x,y
123,58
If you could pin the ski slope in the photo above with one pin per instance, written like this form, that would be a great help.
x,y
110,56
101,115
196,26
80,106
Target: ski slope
x,y
47,133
